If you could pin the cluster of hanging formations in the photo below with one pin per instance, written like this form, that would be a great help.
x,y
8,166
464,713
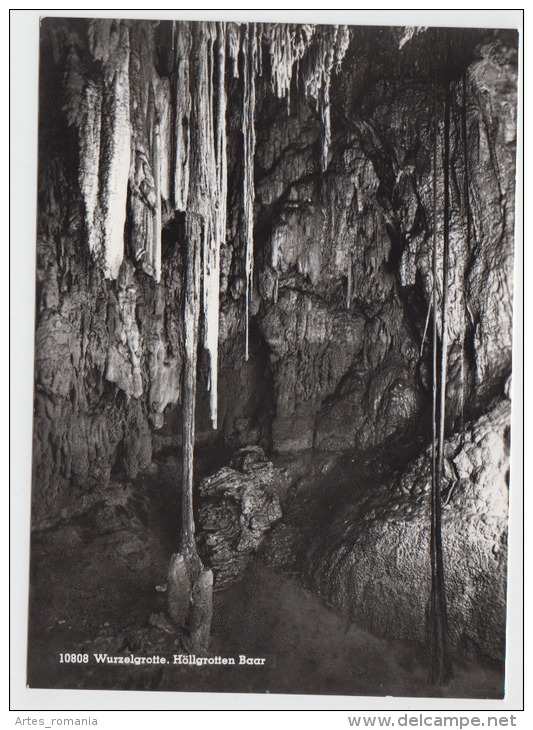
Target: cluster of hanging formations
x,y
159,142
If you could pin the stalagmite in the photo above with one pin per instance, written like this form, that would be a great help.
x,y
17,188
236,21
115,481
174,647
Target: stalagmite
x,y
249,50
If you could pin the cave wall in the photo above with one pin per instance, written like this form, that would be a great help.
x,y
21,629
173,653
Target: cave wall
x,y
343,235
371,560
359,238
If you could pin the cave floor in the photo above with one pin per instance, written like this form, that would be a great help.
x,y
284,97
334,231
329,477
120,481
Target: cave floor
x,y
94,590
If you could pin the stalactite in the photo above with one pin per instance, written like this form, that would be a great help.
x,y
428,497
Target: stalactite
x,y
466,203
274,253
164,107
212,284
328,51
120,139
287,45
434,497
208,204
410,32
146,202
349,282
341,46
182,109
440,667
190,585
103,36
234,46
214,145
207,171
325,106
221,141
260,37
102,115
89,164
115,156
133,118
249,51
376,238
434,379
157,154
430,308
142,186
191,316
158,114
281,60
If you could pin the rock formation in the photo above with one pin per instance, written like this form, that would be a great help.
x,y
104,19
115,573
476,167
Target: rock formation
x,y
237,505
371,559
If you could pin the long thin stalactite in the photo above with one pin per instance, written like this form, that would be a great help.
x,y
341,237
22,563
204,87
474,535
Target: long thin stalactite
x,y
466,203
218,234
440,665
191,312
249,52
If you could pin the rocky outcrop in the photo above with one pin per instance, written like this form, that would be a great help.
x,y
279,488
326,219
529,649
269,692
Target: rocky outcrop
x,y
238,505
373,558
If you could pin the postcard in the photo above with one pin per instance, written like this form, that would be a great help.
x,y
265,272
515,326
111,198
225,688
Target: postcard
x,y
273,358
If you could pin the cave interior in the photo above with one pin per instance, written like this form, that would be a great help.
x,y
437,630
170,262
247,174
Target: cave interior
x,y
263,251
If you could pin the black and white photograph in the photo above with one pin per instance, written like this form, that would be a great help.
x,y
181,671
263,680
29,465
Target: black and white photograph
x,y
273,357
